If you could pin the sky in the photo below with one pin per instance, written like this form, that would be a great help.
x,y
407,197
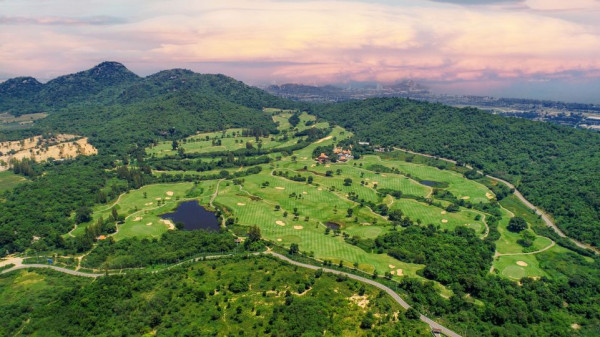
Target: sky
x,y
546,49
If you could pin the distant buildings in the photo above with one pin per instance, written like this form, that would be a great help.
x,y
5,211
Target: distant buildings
x,y
341,154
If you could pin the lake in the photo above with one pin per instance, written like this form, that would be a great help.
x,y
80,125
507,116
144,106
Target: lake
x,y
193,217
432,183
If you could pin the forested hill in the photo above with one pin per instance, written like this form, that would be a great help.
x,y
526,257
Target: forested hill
x,y
116,108
555,167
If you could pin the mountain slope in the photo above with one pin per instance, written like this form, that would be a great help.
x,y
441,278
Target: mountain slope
x,y
555,167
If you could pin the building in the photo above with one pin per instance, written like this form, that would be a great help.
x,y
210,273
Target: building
x,y
323,158
364,143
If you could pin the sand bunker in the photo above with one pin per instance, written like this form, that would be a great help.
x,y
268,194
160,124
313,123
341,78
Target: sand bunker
x,y
392,266
304,158
361,301
241,204
444,220
167,198
168,223
170,193
149,224
279,240
298,227
323,139
522,263
466,198
304,192
444,212
158,199
319,189
489,195
327,165
137,218
148,203
280,223
313,165
280,188
399,272
375,183
383,175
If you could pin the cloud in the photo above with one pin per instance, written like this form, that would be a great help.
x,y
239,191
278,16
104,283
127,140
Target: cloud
x,y
478,2
61,21
311,41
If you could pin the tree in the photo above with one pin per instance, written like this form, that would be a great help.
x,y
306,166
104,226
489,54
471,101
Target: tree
x,y
347,182
294,249
516,224
254,234
174,145
350,211
114,214
83,214
395,215
412,313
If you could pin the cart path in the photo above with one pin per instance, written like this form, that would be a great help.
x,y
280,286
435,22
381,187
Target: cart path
x,y
545,217
376,284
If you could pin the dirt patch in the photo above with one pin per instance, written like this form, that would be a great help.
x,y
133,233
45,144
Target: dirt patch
x,y
489,195
137,218
383,175
280,188
298,227
168,223
280,223
444,220
327,165
323,139
40,148
522,263
375,183
170,193
575,326
361,301
241,204
466,198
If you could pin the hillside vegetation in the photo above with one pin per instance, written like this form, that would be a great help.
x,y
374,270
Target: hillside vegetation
x,y
555,167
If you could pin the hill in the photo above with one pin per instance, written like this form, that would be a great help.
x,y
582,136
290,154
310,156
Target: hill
x,y
115,108
555,167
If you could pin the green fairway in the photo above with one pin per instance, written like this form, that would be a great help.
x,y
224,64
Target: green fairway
x,y
9,180
518,266
142,208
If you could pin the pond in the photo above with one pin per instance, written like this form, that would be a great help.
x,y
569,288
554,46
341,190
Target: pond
x,y
332,225
193,217
432,183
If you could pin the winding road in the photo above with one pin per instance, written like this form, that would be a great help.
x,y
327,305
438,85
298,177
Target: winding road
x,y
18,264
376,284
545,217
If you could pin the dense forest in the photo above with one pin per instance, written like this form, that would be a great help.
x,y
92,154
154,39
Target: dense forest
x,y
555,167
225,297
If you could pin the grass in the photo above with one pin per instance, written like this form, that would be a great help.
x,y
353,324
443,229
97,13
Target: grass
x,y
35,300
9,180
507,266
141,211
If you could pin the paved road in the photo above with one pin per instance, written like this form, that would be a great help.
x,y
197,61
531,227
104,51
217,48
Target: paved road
x,y
60,269
389,291
543,215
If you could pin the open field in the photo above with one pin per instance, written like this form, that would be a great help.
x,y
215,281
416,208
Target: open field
x,y
9,180
6,119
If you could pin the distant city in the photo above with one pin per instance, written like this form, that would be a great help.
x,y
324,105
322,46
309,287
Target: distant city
x,y
577,115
